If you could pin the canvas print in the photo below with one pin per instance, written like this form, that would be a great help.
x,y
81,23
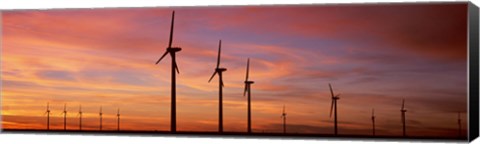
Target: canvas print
x,y
358,70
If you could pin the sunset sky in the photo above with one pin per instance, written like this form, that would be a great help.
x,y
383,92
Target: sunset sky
x,y
373,55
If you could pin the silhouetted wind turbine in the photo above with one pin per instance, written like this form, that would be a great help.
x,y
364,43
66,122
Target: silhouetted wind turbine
x,y
80,114
403,110
118,119
219,71
64,117
459,126
334,106
100,114
248,89
48,115
172,50
284,116
373,121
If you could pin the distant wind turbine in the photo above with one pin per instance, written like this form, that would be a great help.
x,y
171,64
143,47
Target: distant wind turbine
x,y
373,121
403,110
118,119
459,121
284,116
100,114
80,117
172,50
64,117
219,71
248,89
48,115
334,106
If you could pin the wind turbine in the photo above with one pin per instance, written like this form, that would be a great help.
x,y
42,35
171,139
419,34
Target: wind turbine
x,y
219,71
373,121
80,114
64,117
248,89
118,119
459,125
334,106
284,116
100,114
403,110
48,115
172,50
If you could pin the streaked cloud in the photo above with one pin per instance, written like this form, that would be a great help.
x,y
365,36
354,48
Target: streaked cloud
x,y
374,55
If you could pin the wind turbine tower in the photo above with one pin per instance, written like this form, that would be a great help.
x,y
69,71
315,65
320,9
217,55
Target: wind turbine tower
x,y
118,119
459,121
403,110
219,71
48,115
334,106
172,50
373,121
248,90
64,117
284,116
80,117
100,114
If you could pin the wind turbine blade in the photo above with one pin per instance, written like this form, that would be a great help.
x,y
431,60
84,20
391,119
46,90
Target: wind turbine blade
x,y
221,83
331,109
331,90
162,57
248,67
283,109
171,30
245,90
176,67
212,76
219,50
403,104
373,112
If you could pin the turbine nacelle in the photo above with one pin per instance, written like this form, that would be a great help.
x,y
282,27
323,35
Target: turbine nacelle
x,y
249,82
48,109
170,49
403,106
174,49
373,114
247,86
336,97
64,109
220,69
